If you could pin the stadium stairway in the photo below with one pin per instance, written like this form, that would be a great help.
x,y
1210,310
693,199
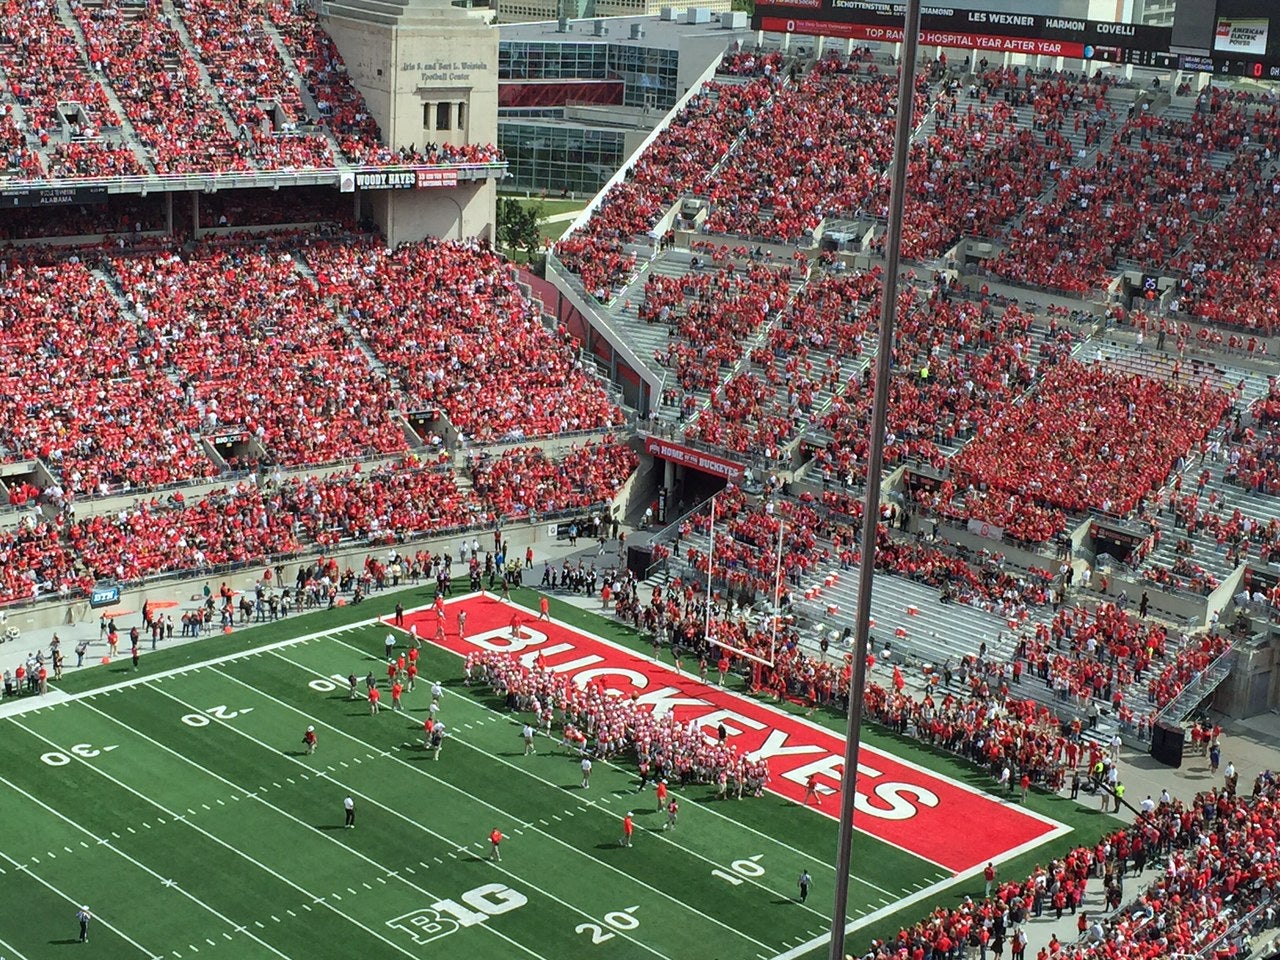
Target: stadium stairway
x,y
272,34
179,25
301,266
129,135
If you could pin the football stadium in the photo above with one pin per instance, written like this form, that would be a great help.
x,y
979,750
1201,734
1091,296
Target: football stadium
x,y
756,481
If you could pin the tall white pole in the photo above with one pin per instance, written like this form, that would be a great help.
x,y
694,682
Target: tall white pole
x,y
711,553
777,593
875,465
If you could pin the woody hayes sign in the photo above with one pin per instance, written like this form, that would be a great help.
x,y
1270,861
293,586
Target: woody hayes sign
x,y
896,801
407,179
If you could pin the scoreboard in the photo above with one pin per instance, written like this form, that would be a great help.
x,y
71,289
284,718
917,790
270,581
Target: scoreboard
x,y
1245,42
982,30
1231,37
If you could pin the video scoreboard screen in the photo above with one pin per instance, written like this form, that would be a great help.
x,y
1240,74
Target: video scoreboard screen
x,y
1242,28
1245,40
1230,37
986,31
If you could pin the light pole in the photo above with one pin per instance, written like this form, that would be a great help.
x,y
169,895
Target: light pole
x,y
875,465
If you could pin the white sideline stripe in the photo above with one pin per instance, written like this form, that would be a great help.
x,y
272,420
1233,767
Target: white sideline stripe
x,y
72,900
219,842
110,688
558,818
139,864
16,955
1058,828
290,816
380,623
397,813
596,804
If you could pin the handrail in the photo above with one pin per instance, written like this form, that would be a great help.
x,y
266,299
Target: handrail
x,y
573,289
233,179
694,90
666,533
1197,685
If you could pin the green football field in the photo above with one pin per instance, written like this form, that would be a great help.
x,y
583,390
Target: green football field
x,y
180,806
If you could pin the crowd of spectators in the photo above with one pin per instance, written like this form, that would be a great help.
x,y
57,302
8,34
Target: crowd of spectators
x,y
452,327
823,533
710,315
171,110
819,147
257,351
341,106
1072,445
207,91
46,71
1151,193
801,365
955,362
683,156
992,146
85,390
526,482
1214,858
277,516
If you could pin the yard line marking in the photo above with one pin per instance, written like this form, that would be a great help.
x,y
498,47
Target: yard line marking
x,y
593,803
289,816
220,842
137,863
72,900
412,823
13,950
701,807
451,786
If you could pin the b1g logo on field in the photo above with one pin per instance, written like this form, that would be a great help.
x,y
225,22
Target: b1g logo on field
x,y
446,916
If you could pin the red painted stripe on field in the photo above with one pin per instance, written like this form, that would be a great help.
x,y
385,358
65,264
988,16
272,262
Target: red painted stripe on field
x,y
927,815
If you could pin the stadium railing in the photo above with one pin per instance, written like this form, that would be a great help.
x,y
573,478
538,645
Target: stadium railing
x,y
234,180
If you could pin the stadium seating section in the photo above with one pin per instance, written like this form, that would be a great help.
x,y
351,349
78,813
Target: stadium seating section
x,y
288,393
106,89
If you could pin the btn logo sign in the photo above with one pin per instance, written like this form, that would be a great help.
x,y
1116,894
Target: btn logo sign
x,y
104,596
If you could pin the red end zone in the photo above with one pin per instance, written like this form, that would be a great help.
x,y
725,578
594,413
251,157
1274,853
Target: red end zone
x,y
931,816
